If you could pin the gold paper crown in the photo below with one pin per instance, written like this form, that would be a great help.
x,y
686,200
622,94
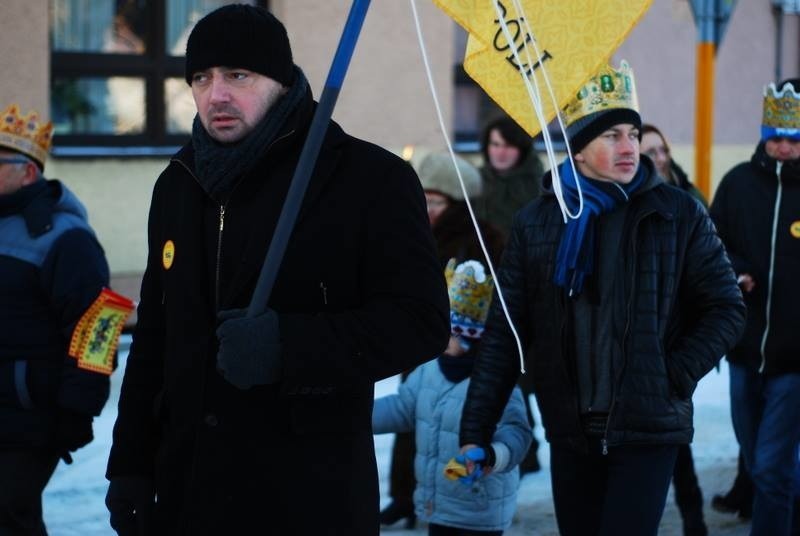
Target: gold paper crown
x,y
781,109
25,135
607,90
470,291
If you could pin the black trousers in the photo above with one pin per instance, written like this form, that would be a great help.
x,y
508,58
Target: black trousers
x,y
441,530
688,496
23,476
622,492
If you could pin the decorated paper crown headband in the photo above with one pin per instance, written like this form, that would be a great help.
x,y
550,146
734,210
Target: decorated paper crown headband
x,y
26,135
781,112
470,290
607,90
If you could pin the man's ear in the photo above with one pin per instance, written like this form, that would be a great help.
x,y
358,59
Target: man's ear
x,y
31,174
578,157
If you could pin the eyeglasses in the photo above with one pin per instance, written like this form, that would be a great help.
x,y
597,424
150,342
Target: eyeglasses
x,y
12,160
654,152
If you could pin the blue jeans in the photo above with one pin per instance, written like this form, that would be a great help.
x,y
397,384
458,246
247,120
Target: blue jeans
x,y
766,420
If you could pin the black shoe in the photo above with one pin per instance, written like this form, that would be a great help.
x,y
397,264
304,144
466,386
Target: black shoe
x,y
730,505
695,526
397,511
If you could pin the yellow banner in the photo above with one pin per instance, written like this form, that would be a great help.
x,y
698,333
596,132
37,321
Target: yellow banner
x,y
96,335
575,38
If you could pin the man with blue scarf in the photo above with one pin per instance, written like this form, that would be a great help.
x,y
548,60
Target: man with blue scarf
x,y
621,312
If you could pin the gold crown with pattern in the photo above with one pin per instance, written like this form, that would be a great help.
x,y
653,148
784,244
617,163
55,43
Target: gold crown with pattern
x,y
781,111
470,290
609,89
26,135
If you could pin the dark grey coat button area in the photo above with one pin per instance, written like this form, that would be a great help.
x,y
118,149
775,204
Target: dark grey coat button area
x,y
211,420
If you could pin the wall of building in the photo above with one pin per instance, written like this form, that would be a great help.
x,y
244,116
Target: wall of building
x,y
386,97
25,57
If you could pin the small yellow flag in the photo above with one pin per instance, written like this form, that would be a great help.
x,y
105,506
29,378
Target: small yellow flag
x,y
575,38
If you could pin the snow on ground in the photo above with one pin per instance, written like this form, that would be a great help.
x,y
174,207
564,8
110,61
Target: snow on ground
x,y
74,498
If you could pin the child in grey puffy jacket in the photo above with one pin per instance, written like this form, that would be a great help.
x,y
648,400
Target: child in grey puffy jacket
x,y
429,402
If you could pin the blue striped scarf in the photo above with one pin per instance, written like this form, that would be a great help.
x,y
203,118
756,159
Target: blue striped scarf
x,y
575,258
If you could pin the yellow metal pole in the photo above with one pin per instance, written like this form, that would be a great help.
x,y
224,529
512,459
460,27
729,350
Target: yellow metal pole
x,y
704,117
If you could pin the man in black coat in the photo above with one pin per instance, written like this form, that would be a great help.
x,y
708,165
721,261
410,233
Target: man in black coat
x,y
52,273
757,212
621,311
236,425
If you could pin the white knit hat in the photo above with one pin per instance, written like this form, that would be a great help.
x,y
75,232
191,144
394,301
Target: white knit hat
x,y
437,173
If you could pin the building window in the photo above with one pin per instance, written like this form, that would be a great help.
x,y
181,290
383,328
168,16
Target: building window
x,y
116,81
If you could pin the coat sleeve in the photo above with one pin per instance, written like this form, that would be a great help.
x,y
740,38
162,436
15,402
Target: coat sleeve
x,y
397,413
513,436
74,273
725,215
135,434
497,364
709,285
403,319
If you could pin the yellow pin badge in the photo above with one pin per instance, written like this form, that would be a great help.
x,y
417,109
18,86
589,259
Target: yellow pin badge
x,y
794,228
96,336
168,254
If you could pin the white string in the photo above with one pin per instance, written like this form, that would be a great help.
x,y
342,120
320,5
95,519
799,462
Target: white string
x,y
423,50
535,95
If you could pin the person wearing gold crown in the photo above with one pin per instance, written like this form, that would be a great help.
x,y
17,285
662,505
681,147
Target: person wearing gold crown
x,y
455,238
757,213
429,402
621,311
52,270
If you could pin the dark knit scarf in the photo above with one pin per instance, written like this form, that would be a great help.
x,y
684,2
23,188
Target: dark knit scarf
x,y
575,258
456,369
219,167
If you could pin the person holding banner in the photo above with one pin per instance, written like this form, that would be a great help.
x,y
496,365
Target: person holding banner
x,y
237,424
53,274
621,312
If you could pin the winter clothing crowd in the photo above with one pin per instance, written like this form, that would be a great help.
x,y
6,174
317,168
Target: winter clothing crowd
x,y
607,279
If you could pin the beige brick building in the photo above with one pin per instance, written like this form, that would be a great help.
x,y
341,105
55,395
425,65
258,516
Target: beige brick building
x,y
385,97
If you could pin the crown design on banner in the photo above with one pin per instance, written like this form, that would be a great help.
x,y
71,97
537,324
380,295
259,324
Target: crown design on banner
x,y
781,112
26,134
609,89
470,290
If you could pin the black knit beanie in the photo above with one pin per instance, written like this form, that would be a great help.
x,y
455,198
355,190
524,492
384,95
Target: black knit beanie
x,y
239,35
584,130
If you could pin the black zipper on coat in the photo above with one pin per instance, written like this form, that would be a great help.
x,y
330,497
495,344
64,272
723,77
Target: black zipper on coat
x,y
222,217
219,255
624,345
773,243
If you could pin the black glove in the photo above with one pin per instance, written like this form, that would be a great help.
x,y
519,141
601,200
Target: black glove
x,y
249,348
73,431
131,500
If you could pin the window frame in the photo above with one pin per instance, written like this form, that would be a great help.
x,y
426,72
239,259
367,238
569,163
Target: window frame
x,y
154,66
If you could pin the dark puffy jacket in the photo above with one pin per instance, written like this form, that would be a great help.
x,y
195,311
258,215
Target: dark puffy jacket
x,y
51,270
758,218
678,310
360,296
